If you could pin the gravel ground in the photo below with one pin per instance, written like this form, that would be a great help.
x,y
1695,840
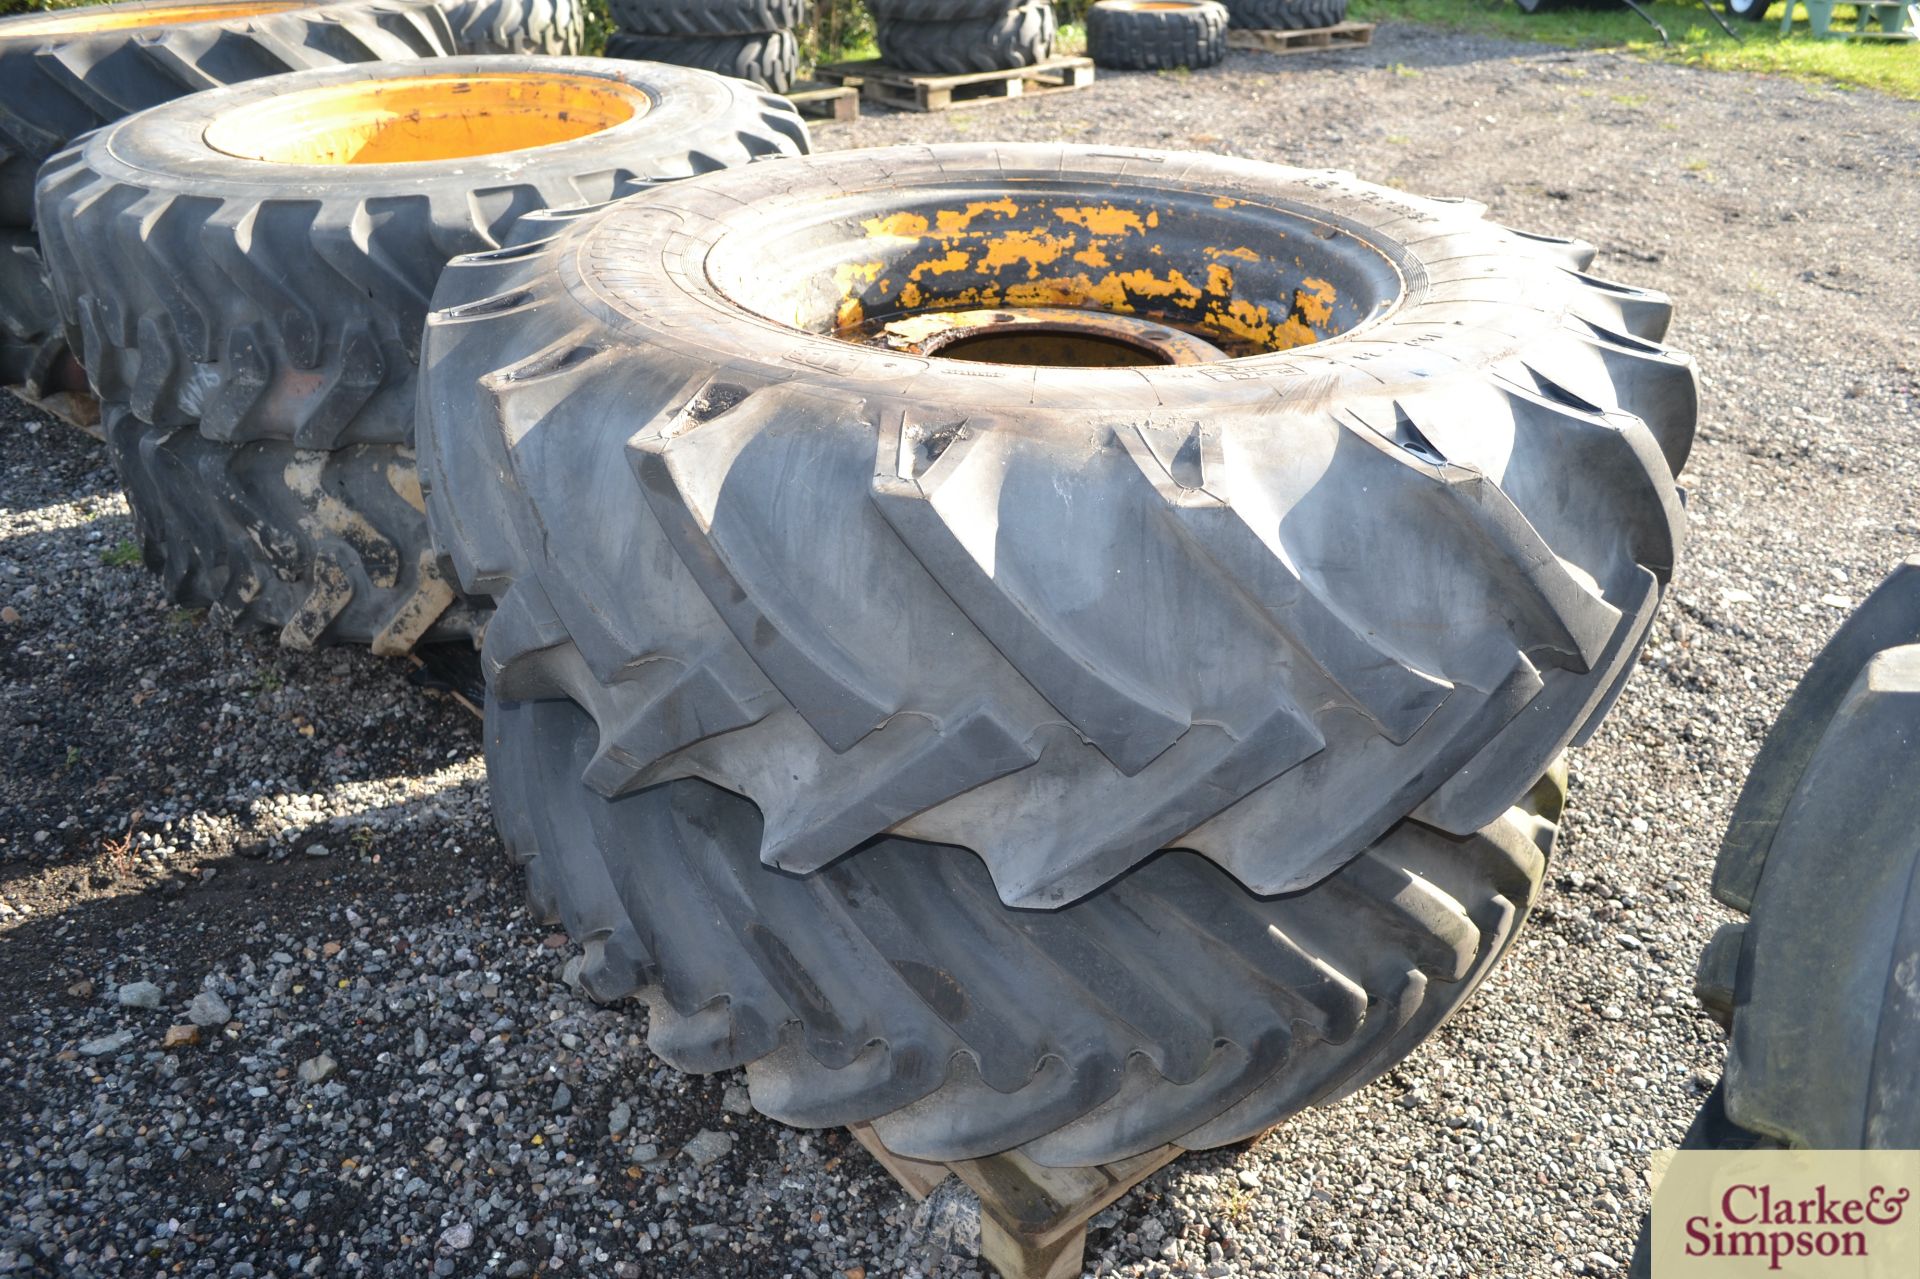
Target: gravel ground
x,y
390,1070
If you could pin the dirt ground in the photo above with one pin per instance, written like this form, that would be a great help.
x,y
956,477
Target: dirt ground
x,y
408,1080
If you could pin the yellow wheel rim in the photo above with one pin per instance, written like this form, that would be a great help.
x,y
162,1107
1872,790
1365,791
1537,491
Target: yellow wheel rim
x,y
413,119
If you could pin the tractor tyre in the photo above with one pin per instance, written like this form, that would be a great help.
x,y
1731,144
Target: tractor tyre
x,y
1153,35
822,542
257,260
1823,855
1017,37
68,72
32,343
940,10
325,547
556,28
1286,15
685,18
895,988
770,59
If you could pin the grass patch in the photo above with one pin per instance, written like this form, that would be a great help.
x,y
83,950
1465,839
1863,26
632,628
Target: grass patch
x,y
121,554
1890,67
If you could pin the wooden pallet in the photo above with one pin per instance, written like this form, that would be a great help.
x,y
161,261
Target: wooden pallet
x,y
1033,1219
911,91
825,103
1341,35
77,409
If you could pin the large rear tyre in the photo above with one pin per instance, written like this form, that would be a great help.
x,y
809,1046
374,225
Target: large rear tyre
x,y
770,59
552,27
1016,37
1082,596
66,73
706,17
895,988
325,547
1286,15
257,261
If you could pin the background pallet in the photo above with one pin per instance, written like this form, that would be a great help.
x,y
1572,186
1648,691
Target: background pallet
x,y
911,91
1342,35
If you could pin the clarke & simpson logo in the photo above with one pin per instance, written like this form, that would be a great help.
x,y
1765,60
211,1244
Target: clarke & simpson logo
x,y
1830,1214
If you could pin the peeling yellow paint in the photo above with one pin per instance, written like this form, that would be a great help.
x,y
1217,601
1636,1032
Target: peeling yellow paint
x,y
954,221
896,226
845,277
955,260
1314,300
1093,256
1245,255
1224,202
1219,281
1036,249
1103,219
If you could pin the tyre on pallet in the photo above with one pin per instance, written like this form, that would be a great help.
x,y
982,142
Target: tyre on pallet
x,y
894,988
1006,498
705,17
1286,15
557,28
770,59
65,73
1157,35
1018,36
247,273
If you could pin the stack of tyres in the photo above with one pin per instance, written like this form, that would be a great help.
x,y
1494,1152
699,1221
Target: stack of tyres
x,y
750,39
957,37
553,27
1157,35
71,71
246,273
951,680
1285,15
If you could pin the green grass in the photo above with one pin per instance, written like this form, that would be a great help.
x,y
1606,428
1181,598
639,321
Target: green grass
x,y
1697,40
121,554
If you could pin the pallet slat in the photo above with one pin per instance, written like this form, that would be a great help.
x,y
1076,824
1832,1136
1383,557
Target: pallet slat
x,y
911,91
1033,1219
1342,35
827,103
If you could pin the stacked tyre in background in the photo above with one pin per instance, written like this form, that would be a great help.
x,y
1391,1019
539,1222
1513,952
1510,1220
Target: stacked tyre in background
x,y
246,273
955,37
70,71
750,39
936,663
1157,35
1286,15
552,27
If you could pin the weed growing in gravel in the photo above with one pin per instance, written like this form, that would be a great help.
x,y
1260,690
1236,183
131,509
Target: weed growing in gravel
x,y
121,554
1697,40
